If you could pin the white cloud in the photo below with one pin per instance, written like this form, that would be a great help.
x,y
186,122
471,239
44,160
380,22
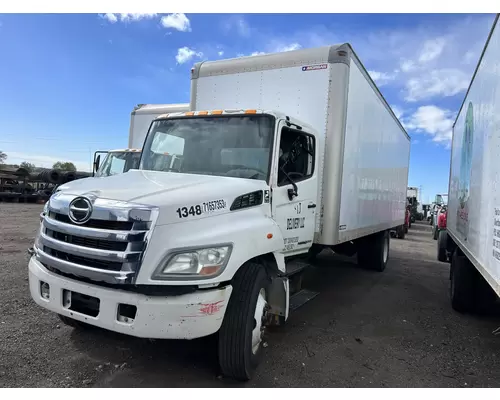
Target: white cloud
x,y
177,21
443,83
221,53
382,78
434,121
127,17
237,23
407,65
184,54
276,47
431,50
469,57
288,47
110,17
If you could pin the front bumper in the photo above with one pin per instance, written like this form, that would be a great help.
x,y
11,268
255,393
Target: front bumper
x,y
186,316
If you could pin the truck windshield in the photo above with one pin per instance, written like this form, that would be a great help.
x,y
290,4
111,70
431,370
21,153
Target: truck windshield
x,y
118,163
234,146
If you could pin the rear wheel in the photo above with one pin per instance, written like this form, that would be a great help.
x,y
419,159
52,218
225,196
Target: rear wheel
x,y
469,291
243,328
373,252
462,283
442,246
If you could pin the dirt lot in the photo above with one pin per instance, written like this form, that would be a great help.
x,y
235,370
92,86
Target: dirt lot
x,y
393,329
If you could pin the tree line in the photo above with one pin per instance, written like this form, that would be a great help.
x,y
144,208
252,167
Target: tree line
x,y
61,165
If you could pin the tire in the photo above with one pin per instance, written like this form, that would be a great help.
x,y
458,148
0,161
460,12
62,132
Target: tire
x,y
485,296
442,246
313,252
237,358
74,323
374,251
462,283
400,232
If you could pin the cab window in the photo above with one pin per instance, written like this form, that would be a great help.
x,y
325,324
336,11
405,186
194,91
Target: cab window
x,y
296,156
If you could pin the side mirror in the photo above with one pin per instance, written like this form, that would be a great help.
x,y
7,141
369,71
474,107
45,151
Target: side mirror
x,y
97,162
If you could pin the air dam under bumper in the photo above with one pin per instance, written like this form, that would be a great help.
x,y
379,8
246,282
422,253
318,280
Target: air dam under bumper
x,y
188,316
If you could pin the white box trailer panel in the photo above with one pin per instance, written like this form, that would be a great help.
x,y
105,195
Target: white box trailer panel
x,y
312,85
474,192
142,116
376,158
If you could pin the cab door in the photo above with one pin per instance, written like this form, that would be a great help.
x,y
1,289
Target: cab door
x,y
294,205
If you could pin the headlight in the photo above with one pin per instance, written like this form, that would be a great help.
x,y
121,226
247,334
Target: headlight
x,y
196,263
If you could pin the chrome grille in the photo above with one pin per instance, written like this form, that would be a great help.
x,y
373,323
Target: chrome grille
x,y
109,247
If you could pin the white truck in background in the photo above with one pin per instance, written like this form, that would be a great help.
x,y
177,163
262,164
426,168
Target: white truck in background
x,y
121,160
472,234
286,154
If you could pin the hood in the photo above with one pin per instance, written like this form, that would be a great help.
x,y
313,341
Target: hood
x,y
175,191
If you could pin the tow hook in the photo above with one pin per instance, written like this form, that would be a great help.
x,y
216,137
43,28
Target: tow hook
x,y
31,251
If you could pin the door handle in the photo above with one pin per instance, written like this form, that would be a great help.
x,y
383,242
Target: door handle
x,y
311,206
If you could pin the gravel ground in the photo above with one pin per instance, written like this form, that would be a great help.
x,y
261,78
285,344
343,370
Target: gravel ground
x,y
364,329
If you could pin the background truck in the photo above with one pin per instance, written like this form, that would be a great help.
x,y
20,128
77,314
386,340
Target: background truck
x,y
473,214
119,161
286,154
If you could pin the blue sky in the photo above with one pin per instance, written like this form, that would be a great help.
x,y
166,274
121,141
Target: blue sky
x,y
69,82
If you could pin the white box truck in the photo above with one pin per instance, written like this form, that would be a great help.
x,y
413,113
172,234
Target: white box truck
x,y
472,234
121,160
285,154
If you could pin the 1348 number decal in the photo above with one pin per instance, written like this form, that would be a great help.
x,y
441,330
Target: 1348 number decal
x,y
198,209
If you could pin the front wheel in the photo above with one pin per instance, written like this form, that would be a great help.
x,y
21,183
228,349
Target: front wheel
x,y
242,331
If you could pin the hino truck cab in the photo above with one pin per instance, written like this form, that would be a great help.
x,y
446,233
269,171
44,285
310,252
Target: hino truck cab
x,y
273,155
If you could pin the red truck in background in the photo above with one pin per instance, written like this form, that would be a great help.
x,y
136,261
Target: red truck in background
x,y
440,234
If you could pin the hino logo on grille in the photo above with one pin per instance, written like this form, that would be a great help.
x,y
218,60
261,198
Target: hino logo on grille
x,y
80,210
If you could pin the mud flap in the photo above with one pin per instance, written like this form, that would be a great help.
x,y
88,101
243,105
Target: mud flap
x,y
278,301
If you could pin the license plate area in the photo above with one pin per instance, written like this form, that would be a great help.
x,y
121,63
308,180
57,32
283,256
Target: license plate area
x,y
81,303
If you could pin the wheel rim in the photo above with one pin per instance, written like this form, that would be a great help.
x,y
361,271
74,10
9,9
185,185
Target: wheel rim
x,y
386,249
259,315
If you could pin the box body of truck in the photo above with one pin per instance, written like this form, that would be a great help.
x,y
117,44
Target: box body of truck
x,y
473,215
142,116
363,168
